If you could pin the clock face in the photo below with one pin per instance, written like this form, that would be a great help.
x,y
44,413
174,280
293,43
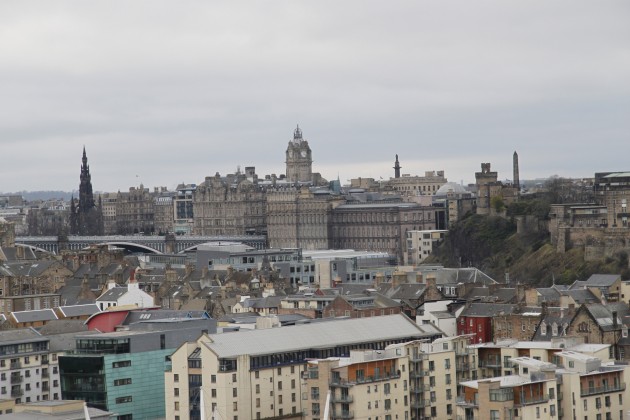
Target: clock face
x,y
303,153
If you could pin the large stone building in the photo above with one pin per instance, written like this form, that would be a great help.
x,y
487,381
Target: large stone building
x,y
231,205
300,218
381,226
601,227
135,211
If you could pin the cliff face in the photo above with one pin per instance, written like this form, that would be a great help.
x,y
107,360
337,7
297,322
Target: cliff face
x,y
492,245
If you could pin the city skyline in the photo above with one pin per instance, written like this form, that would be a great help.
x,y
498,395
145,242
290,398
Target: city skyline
x,y
161,95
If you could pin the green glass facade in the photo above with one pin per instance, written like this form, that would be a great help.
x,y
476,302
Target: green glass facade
x,y
124,383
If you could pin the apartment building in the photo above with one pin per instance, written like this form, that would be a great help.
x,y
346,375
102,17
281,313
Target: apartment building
x,y
29,372
530,393
258,374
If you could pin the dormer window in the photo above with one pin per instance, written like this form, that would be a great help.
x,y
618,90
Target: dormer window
x,y
543,328
554,329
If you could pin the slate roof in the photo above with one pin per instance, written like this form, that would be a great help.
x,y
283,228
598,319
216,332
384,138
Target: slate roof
x,y
488,309
18,335
603,314
603,280
581,296
34,316
404,291
454,276
61,326
112,294
79,310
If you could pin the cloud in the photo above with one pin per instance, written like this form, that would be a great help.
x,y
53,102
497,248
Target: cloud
x,y
177,92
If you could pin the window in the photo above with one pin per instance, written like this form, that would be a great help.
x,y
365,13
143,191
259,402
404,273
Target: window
x,y
257,374
213,378
122,363
280,385
447,364
176,405
125,381
388,404
314,393
292,383
175,377
176,392
448,379
386,388
122,400
494,415
257,388
234,392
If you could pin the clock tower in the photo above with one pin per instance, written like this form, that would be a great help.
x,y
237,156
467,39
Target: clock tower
x,y
298,159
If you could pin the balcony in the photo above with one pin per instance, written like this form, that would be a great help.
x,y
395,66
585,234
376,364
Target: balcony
x,y
343,415
421,403
419,357
541,399
16,365
463,352
460,367
44,360
15,393
45,374
16,379
45,387
419,373
419,389
602,390
345,383
344,399
490,362
462,402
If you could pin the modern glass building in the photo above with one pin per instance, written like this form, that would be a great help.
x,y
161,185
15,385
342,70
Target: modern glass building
x,y
123,372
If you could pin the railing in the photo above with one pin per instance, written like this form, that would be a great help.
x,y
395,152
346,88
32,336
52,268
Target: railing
x,y
463,352
341,399
462,366
16,393
461,401
343,415
419,389
16,365
44,361
16,379
419,373
422,403
534,400
419,357
602,389
45,388
496,363
342,382
45,374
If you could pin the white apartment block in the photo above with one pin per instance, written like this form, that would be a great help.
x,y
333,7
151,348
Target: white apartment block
x,y
258,374
28,371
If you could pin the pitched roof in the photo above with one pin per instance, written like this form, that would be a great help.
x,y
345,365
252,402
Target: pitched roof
x,y
34,316
18,335
488,309
605,280
317,335
79,310
112,294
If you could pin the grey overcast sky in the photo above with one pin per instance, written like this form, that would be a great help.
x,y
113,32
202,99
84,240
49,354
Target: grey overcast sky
x,y
164,92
